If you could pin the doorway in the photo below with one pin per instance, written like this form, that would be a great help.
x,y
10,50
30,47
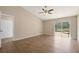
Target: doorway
x,y
6,26
62,30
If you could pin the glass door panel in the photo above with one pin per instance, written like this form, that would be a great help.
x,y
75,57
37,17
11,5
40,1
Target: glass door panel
x,y
62,30
65,26
58,27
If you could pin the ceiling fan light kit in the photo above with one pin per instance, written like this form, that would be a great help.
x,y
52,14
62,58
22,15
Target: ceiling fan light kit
x,y
45,11
45,14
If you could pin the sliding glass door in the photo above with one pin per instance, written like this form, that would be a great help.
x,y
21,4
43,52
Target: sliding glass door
x,y
62,30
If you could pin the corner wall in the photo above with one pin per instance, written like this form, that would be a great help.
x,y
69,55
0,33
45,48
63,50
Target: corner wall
x,y
25,24
49,25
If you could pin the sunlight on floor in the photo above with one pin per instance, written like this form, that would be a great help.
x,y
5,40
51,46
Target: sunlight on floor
x,y
61,35
63,40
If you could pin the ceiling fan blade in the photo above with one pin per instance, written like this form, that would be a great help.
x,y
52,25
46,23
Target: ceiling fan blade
x,y
50,10
49,13
42,9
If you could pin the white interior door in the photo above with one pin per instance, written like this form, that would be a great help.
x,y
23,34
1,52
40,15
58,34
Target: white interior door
x,y
7,28
7,23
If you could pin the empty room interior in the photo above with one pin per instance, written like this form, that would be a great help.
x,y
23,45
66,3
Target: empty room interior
x,y
39,29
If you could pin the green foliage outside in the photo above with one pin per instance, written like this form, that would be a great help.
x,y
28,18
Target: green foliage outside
x,y
64,26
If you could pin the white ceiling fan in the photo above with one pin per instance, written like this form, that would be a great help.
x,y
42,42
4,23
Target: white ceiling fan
x,y
45,11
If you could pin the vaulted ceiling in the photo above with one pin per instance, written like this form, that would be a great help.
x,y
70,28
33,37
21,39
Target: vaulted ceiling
x,y
59,11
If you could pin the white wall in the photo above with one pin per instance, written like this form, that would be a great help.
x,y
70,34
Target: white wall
x,y
0,42
49,25
78,27
25,24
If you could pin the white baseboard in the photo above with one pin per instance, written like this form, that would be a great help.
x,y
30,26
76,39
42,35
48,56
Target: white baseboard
x,y
20,38
49,34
